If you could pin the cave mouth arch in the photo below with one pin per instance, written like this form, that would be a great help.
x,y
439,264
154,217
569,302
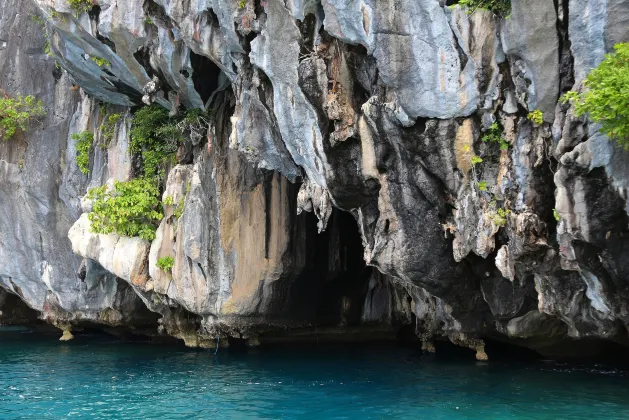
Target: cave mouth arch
x,y
331,289
205,76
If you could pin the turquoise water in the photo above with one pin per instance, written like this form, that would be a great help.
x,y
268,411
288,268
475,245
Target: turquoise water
x,y
99,377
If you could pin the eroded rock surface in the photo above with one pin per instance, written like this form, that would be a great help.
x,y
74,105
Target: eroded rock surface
x,y
342,183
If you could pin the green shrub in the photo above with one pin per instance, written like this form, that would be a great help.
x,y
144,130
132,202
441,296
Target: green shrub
x,y
108,129
166,263
242,4
498,7
494,135
84,142
80,6
482,185
131,208
536,116
154,136
476,160
17,113
606,98
556,215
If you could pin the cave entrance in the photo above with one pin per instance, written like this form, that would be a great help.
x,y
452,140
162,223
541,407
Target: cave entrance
x,y
14,311
205,76
332,287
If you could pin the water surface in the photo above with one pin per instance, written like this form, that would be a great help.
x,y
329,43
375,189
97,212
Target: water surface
x,y
100,377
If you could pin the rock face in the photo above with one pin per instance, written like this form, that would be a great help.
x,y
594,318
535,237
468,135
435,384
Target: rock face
x,y
338,186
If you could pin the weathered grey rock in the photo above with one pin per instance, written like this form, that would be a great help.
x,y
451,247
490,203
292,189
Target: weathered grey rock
x,y
276,52
595,27
122,256
417,53
529,37
375,108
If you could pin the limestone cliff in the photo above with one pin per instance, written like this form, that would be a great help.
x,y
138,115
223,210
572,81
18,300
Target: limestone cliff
x,y
336,188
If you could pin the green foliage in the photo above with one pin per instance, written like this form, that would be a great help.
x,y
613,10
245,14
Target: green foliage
x,y
56,15
108,129
179,209
47,49
536,116
148,122
482,185
148,20
606,98
17,113
498,7
38,20
500,217
476,160
168,200
494,135
166,263
84,142
131,208
156,136
242,4
80,6
556,215
101,62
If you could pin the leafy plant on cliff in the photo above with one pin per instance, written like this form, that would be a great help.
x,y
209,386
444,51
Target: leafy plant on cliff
x,y
17,113
131,208
476,160
168,200
108,129
498,7
494,135
166,263
101,62
80,6
179,209
606,97
536,116
84,142
154,137
499,217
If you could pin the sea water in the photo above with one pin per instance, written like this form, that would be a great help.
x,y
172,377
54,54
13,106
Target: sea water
x,y
100,377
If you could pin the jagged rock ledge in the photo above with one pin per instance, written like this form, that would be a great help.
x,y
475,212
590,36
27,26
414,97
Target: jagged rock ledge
x,y
336,188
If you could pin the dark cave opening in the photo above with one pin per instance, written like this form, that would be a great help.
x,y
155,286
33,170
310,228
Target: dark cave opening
x,y
205,76
332,287
14,311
